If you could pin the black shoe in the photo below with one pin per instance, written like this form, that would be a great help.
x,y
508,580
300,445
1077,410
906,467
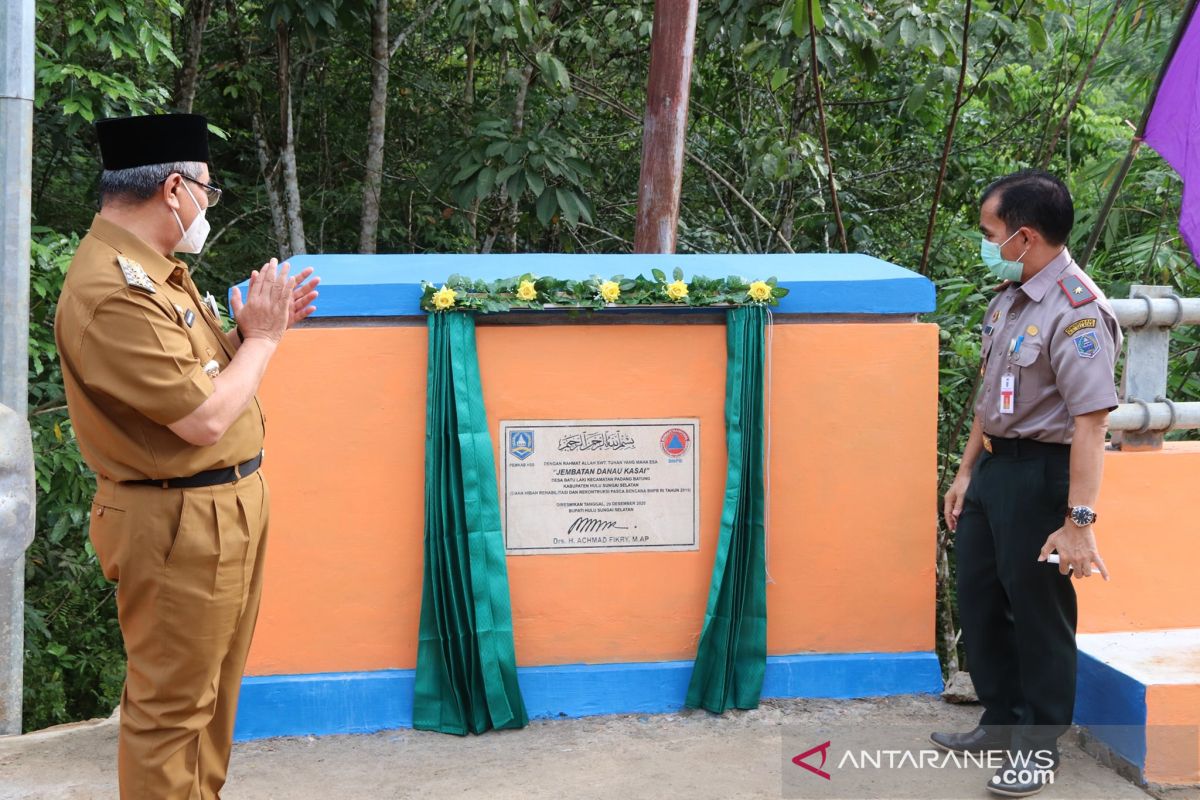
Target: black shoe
x,y
976,741
1022,780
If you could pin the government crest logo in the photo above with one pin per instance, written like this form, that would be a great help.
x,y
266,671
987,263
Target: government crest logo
x,y
1087,345
520,444
675,442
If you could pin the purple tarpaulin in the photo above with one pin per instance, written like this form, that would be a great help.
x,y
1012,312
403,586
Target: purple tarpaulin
x,y
1173,128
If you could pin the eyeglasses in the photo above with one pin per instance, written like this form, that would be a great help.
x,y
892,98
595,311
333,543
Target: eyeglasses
x,y
213,193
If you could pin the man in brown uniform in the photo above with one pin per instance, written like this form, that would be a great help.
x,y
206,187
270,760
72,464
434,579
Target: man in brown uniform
x,y
1029,479
163,405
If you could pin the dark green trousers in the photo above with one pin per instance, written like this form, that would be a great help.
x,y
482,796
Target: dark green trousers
x,y
1018,614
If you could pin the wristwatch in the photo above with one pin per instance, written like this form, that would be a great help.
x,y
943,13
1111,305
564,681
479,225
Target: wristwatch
x,y
1082,516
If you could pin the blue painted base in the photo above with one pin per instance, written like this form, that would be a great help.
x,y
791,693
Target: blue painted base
x,y
1112,706
364,702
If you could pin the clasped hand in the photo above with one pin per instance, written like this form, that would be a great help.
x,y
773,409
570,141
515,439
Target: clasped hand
x,y
275,301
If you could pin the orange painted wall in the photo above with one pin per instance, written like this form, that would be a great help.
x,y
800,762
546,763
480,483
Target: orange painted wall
x,y
1149,536
852,470
1172,737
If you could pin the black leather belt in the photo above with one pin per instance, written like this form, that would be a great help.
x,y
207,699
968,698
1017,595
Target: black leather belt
x,y
210,477
1022,447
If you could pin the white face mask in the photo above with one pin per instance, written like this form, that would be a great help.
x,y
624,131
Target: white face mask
x,y
193,238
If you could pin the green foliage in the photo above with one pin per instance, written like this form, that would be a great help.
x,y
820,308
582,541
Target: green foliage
x,y
543,167
516,125
74,661
103,58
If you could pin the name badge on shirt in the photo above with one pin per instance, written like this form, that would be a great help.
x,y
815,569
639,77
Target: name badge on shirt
x,y
1008,393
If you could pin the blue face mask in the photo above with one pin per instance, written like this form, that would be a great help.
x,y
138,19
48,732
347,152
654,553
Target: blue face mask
x,y
996,264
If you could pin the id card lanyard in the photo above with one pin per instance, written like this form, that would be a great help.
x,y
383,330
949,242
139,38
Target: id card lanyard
x,y
1008,381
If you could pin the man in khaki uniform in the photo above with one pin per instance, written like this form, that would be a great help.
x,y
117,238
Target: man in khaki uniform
x,y
163,406
1029,479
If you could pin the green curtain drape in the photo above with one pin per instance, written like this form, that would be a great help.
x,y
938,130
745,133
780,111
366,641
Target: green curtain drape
x,y
732,655
466,665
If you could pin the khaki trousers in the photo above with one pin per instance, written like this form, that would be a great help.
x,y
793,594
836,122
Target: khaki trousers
x,y
188,565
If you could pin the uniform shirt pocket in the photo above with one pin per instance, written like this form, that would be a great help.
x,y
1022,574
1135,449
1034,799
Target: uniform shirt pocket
x,y
1027,356
1033,375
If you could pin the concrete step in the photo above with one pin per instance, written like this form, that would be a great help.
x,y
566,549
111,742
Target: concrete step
x,y
1138,694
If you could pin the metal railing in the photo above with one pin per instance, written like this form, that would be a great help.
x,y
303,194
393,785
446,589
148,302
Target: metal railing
x,y
1145,413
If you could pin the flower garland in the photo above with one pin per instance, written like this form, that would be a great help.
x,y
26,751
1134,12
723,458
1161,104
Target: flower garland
x,y
530,291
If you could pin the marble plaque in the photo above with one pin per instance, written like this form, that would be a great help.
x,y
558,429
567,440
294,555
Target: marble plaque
x,y
600,486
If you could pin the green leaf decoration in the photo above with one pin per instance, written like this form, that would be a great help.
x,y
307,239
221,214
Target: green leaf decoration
x,y
500,295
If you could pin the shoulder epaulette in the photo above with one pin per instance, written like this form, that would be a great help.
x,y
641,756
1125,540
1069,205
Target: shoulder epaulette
x,y
1077,292
135,276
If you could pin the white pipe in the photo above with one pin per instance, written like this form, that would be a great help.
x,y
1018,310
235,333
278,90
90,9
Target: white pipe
x,y
1154,417
1166,312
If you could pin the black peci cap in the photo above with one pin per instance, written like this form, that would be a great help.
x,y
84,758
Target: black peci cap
x,y
127,142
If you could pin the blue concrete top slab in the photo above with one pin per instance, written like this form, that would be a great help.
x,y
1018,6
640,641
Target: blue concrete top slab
x,y
819,283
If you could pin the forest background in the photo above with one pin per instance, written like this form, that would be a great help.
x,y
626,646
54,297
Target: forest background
x,y
515,126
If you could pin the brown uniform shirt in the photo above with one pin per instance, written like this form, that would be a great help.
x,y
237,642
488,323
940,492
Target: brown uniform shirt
x,y
137,346
1063,366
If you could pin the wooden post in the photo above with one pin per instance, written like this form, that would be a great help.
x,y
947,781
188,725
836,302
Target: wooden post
x,y
667,89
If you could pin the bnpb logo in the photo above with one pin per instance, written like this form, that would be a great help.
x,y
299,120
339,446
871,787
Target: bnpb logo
x,y
675,442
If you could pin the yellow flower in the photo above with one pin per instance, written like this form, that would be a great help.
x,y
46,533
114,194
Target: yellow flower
x,y
677,290
527,291
610,291
759,291
443,298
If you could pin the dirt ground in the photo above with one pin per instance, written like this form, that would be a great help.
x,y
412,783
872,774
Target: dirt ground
x,y
691,754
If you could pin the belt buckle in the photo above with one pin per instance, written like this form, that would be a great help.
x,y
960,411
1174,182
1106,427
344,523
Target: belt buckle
x,y
987,443
237,468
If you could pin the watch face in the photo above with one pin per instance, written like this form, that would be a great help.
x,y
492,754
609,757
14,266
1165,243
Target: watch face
x,y
1082,515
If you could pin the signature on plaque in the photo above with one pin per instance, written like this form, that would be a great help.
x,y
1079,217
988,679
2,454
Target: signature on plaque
x,y
594,525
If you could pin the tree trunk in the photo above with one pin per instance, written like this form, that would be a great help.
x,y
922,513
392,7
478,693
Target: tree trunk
x,y
949,142
274,201
950,632
672,46
469,90
291,184
185,90
376,125
788,226
469,99
518,130
512,215
267,165
816,77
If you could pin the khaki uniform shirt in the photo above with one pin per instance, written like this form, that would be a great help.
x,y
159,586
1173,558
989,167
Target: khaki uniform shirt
x,y
1057,337
139,350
